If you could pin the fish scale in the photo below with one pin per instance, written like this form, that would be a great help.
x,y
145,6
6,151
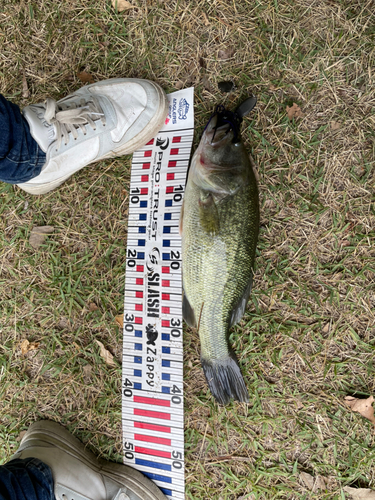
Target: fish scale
x,y
152,385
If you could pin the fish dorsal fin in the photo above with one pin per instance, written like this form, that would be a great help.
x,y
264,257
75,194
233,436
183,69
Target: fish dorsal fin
x,y
239,310
188,313
208,214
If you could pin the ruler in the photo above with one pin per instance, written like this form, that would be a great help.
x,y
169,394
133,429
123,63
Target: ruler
x,y
152,373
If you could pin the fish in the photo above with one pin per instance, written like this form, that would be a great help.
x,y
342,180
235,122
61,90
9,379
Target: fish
x,y
152,334
219,226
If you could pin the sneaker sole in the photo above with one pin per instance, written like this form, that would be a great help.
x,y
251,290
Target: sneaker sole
x,y
137,142
55,434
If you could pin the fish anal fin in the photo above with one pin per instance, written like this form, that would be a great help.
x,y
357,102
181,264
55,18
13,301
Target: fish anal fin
x,y
188,313
225,380
208,214
239,310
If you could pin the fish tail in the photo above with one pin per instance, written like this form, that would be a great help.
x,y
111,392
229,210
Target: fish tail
x,y
225,380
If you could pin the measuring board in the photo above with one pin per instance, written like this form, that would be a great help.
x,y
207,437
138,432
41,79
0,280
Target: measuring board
x,y
152,368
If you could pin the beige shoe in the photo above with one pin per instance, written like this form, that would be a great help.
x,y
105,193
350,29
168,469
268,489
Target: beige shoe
x,y
77,473
102,120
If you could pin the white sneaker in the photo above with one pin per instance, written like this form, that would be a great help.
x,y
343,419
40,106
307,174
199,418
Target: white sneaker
x,y
102,120
77,473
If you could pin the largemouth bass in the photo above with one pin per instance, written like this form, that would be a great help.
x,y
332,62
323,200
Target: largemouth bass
x,y
219,225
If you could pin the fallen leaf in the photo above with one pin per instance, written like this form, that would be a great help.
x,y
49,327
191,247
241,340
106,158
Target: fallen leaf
x,y
27,346
202,62
313,484
93,307
24,347
360,493
85,77
294,112
105,354
345,243
325,328
87,371
206,83
360,171
186,82
121,5
307,480
335,125
362,406
20,436
320,483
190,80
25,88
63,323
298,403
226,53
120,320
39,234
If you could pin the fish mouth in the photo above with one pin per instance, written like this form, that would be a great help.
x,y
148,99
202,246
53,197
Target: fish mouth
x,y
223,125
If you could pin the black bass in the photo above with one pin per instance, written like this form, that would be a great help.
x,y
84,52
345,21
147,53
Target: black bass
x,y
219,225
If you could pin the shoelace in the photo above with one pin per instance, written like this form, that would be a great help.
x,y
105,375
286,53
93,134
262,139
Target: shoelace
x,y
68,119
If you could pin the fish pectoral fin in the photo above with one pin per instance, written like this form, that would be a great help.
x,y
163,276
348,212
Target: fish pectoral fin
x,y
208,214
181,218
246,106
188,313
239,310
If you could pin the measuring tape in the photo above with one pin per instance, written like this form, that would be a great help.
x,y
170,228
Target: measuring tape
x,y
152,369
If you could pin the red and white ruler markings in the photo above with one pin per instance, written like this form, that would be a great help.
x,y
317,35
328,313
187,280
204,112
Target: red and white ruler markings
x,y
152,385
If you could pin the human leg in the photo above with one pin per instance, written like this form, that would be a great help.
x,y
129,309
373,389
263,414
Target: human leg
x,y
21,159
26,479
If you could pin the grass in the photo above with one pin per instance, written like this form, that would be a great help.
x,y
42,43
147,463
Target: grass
x,y
307,339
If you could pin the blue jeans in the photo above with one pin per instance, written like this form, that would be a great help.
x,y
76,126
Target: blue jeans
x,y
26,479
21,158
